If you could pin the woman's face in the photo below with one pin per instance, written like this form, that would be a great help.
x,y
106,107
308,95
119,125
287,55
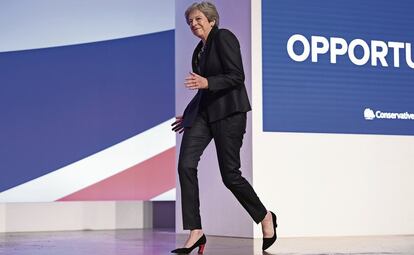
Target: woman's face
x,y
199,24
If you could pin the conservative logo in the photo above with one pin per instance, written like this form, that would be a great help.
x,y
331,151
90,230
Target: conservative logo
x,y
369,114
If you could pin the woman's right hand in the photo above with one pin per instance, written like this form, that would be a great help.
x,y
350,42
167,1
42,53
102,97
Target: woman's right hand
x,y
178,124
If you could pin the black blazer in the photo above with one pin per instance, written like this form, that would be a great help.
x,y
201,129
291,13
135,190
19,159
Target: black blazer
x,y
221,64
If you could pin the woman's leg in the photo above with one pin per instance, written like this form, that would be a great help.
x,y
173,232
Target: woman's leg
x,y
195,140
228,137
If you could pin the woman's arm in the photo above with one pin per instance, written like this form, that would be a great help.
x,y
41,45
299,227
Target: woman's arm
x,y
229,53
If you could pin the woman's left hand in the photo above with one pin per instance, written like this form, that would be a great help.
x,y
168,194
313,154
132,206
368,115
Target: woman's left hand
x,y
177,126
195,81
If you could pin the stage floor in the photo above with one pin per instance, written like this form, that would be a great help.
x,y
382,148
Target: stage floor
x,y
153,242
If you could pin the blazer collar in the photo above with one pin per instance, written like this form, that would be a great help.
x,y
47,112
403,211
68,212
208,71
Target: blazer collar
x,y
209,39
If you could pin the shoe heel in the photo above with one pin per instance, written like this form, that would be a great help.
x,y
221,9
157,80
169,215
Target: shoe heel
x,y
201,249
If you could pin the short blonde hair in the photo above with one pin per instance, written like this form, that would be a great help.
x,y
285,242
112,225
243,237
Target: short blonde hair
x,y
207,9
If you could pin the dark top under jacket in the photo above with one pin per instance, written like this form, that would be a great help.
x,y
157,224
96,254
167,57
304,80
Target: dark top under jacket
x,y
221,64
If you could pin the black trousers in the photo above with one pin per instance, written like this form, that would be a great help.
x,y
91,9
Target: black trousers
x,y
228,138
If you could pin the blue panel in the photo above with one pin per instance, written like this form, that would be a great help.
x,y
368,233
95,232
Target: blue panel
x,y
59,105
325,97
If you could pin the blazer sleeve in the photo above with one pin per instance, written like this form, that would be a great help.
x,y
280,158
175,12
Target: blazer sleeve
x,y
228,48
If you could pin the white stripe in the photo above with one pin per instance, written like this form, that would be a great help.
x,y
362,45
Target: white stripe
x,y
95,168
28,24
166,196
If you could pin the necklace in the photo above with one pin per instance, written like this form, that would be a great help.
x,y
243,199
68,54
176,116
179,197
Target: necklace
x,y
201,51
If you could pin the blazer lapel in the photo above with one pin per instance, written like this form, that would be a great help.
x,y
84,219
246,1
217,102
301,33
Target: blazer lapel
x,y
194,59
206,52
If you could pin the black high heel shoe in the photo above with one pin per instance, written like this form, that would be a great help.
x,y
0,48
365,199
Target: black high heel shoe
x,y
201,243
267,242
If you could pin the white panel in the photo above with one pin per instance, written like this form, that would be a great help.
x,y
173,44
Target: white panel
x,y
37,217
330,184
133,214
2,218
27,24
99,215
94,168
324,185
63,216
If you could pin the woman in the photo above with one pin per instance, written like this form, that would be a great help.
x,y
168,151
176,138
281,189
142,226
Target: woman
x,y
217,111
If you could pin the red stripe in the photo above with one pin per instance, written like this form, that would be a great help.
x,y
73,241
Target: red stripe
x,y
143,181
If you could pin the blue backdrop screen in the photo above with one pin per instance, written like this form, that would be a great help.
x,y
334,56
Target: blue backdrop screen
x,y
59,105
338,66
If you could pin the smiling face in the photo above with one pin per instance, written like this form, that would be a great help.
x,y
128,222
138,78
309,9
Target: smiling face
x,y
199,24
